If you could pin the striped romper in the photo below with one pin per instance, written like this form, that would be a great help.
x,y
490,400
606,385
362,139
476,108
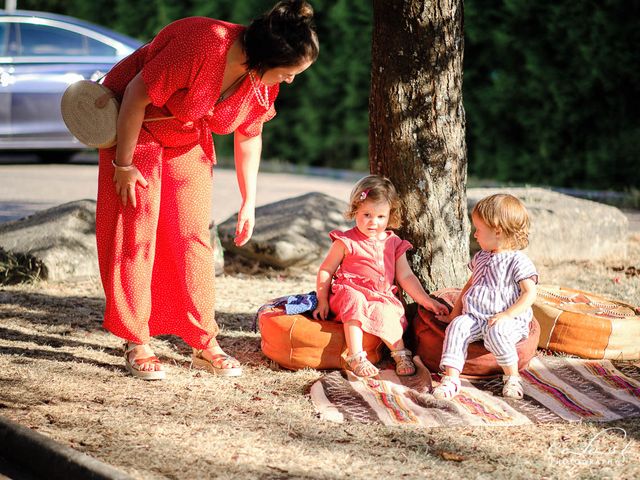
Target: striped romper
x,y
494,288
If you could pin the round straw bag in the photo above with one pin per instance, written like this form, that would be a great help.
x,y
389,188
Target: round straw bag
x,y
90,112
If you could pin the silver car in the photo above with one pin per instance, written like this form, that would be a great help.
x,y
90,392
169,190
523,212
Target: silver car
x,y
41,54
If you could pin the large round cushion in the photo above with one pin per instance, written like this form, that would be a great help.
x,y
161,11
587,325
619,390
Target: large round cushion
x,y
428,339
586,324
297,341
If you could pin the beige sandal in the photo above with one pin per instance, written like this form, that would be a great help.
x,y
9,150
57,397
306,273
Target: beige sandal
x,y
134,366
358,363
404,363
220,364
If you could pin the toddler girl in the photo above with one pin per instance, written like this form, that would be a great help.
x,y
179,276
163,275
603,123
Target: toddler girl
x,y
495,304
357,279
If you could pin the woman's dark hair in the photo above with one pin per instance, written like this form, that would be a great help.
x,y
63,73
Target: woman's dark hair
x,y
285,36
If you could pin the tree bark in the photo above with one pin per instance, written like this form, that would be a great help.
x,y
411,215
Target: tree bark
x,y
417,130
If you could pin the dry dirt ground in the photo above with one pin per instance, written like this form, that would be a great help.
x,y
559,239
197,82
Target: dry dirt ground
x,y
62,375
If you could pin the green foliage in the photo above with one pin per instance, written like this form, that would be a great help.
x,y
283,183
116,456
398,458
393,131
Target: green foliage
x,y
550,86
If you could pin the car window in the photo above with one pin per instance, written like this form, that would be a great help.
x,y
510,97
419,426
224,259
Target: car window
x,y
100,49
4,39
43,40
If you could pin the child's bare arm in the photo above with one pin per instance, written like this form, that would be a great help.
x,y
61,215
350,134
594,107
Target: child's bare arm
x,y
410,284
325,274
524,301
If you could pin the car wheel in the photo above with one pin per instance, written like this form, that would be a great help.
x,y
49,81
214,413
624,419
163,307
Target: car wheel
x,y
56,156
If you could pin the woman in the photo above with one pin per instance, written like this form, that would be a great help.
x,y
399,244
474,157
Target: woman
x,y
152,221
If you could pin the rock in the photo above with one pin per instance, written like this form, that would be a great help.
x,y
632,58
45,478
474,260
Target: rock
x,y
291,232
218,251
62,238
294,232
565,228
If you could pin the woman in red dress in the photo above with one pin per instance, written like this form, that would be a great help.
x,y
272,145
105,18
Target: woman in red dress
x,y
197,76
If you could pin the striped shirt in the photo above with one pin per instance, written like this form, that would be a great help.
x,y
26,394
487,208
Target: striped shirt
x,y
495,283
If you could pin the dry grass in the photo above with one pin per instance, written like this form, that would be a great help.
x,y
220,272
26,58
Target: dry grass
x,y
62,375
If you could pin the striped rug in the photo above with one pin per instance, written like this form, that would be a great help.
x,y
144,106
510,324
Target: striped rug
x,y
557,389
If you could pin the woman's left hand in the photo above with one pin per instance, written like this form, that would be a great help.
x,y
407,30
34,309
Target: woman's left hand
x,y
246,222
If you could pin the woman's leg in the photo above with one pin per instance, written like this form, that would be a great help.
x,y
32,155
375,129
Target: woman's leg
x,y
183,276
126,239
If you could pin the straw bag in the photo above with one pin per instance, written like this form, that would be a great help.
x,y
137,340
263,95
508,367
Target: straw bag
x,y
90,111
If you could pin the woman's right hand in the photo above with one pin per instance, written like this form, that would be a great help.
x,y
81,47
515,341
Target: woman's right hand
x,y
126,181
130,117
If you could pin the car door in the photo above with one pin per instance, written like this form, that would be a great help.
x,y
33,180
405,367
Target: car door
x,y
6,69
49,58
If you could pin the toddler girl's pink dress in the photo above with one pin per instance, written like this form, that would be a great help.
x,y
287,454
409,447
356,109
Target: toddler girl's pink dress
x,y
363,287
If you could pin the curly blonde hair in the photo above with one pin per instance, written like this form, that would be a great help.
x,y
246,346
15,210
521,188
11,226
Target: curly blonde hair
x,y
507,213
376,189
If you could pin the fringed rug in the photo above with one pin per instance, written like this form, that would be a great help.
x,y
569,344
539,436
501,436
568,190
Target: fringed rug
x,y
556,389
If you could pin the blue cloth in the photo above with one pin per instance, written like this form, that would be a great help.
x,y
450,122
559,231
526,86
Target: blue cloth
x,y
301,303
293,304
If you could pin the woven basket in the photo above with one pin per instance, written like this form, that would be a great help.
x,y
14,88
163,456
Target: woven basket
x,y
586,324
90,112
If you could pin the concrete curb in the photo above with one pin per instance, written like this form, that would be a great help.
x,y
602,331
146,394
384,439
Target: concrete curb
x,y
46,458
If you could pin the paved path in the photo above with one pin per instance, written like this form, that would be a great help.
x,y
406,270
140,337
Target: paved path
x,y
29,187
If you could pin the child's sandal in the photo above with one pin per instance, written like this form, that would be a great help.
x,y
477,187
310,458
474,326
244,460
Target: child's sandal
x,y
404,363
512,386
449,387
360,365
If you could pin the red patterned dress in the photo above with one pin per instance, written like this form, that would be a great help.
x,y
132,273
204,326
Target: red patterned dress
x,y
156,261
363,288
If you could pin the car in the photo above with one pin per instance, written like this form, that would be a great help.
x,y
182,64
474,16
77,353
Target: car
x,y
41,54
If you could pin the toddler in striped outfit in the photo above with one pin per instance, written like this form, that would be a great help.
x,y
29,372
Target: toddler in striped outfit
x,y
495,304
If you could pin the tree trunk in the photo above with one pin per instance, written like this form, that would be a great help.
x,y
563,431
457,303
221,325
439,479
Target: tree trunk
x,y
416,131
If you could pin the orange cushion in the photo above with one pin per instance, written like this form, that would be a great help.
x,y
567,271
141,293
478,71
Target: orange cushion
x,y
586,324
297,341
428,338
